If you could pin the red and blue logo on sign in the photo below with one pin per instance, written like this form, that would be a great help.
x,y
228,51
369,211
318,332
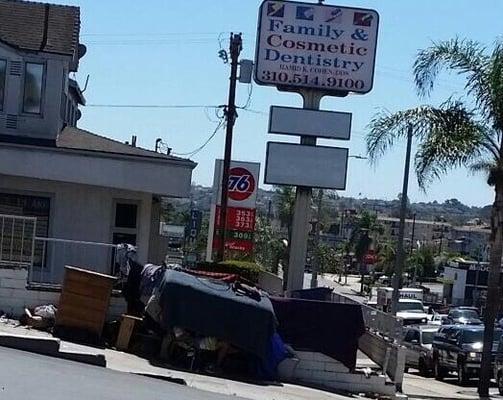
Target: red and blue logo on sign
x,y
241,184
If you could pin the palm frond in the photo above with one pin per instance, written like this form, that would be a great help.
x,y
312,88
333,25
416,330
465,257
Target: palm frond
x,y
495,85
464,56
481,166
454,139
386,128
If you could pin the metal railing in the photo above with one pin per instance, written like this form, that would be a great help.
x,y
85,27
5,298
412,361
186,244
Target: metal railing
x,y
17,240
54,254
376,321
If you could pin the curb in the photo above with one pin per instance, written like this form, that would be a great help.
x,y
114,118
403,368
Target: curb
x,y
49,347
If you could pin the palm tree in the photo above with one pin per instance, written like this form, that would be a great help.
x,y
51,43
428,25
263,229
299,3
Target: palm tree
x,y
464,132
364,235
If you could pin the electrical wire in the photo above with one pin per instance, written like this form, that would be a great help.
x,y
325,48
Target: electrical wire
x,y
152,106
198,149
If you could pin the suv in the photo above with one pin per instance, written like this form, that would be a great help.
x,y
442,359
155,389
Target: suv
x,y
459,348
463,315
418,341
498,366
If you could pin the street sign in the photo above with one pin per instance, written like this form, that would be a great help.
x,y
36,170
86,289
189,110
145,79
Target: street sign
x,y
243,179
309,166
242,197
194,225
303,122
306,45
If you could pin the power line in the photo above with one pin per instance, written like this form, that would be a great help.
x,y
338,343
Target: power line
x,y
192,153
152,106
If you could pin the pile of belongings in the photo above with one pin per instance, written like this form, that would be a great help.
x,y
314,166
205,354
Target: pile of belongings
x,y
207,312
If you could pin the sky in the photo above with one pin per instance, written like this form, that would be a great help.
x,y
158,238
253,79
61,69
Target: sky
x,y
160,52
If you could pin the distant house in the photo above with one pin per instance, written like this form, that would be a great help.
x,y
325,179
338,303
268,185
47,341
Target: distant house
x,y
66,194
426,232
471,240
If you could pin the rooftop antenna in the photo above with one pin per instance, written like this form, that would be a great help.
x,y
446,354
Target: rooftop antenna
x,y
85,85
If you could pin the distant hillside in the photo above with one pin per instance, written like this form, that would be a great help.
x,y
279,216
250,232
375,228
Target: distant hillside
x,y
451,210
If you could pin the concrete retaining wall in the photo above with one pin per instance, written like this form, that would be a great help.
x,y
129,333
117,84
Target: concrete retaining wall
x,y
15,296
319,370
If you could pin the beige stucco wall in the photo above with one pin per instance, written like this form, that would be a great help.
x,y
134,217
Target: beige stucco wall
x,y
85,213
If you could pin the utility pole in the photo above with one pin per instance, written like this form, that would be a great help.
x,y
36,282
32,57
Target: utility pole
x,y
400,254
236,45
413,232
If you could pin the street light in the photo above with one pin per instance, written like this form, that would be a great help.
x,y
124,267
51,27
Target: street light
x,y
358,157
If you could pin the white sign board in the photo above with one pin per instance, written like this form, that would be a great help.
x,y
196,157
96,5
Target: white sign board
x,y
243,183
307,45
301,165
300,121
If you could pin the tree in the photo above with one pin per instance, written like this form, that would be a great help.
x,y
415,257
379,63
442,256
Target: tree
x,y
386,252
364,234
284,199
268,245
327,258
421,263
457,134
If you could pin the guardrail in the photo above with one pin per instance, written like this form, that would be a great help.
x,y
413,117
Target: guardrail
x,y
384,324
382,341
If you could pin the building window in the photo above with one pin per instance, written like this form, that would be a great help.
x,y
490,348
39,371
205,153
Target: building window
x,y
25,206
125,228
33,82
3,68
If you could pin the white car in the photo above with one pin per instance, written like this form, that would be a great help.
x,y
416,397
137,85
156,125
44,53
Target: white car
x,y
412,312
437,319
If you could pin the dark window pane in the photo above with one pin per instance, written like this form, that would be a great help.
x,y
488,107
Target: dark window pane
x,y
125,215
3,67
33,78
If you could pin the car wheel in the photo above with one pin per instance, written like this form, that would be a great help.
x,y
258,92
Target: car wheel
x,y
438,370
462,374
499,381
423,369
406,370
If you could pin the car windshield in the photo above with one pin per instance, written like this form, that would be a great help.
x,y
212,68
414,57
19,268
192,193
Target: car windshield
x,y
475,336
428,337
469,314
410,306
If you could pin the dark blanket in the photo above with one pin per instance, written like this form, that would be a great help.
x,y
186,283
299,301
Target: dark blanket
x,y
329,328
211,308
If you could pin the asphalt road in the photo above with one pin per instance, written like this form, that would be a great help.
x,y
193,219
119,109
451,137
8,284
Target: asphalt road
x,y
31,376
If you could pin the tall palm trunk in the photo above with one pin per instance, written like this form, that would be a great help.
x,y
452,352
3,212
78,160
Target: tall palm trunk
x,y
493,288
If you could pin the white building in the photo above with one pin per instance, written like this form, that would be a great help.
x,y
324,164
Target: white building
x,y
61,186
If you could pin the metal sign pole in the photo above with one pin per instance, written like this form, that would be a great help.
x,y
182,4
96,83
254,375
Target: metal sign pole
x,y
298,245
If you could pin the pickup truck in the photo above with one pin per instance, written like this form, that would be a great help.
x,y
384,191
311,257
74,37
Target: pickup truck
x,y
411,311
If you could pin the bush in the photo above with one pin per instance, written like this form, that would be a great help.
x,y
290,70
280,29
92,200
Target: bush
x,y
245,269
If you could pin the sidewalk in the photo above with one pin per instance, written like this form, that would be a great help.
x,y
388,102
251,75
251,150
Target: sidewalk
x,y
129,363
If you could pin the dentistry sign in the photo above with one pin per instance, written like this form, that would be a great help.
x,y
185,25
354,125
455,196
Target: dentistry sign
x,y
322,47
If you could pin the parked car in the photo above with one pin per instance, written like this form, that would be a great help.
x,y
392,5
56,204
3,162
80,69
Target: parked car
x,y
438,319
463,315
459,348
411,311
418,341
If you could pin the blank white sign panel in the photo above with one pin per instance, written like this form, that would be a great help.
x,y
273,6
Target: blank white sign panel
x,y
298,121
301,165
